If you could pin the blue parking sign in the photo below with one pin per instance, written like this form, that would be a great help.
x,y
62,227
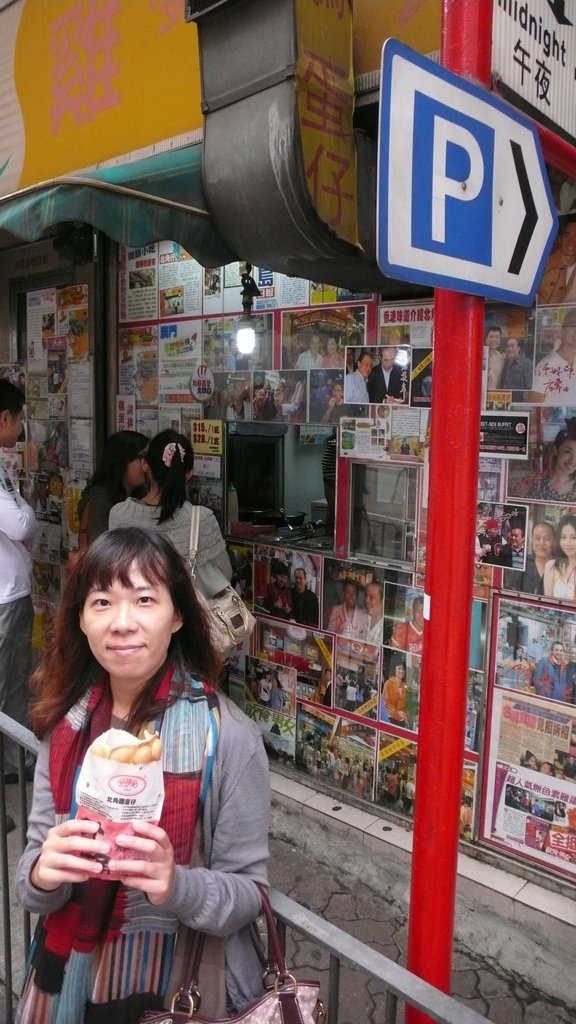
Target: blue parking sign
x,y
463,195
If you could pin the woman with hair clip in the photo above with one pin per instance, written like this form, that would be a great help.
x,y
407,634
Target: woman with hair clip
x,y
169,463
132,651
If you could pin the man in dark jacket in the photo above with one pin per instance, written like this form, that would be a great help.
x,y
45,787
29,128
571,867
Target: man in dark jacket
x,y
305,608
387,380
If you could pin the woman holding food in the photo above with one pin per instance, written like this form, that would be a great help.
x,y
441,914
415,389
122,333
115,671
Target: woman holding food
x,y
132,651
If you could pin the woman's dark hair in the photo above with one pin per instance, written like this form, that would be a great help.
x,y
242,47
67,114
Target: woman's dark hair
x,y
170,457
121,448
568,432
68,666
11,398
567,520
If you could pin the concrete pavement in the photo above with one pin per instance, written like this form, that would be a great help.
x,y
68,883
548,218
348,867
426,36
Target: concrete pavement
x,y
514,965
344,900
322,866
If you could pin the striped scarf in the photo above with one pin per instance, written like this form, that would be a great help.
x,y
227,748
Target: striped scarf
x,y
105,956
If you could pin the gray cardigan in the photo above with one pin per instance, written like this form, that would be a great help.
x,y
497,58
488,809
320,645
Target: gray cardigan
x,y
213,568
221,898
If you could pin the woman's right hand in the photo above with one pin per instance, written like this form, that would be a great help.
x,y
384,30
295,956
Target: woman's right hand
x,y
68,855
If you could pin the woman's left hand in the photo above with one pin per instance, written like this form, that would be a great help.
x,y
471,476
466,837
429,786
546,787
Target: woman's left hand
x,y
150,866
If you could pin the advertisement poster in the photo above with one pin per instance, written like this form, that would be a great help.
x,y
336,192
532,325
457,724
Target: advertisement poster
x,y
138,283
316,339
125,412
271,686
179,281
179,355
364,439
40,326
278,732
137,348
353,604
356,682
278,290
406,322
530,806
219,349
530,785
549,475
335,750
207,437
421,377
377,376
506,436
72,319
310,653
501,535
287,585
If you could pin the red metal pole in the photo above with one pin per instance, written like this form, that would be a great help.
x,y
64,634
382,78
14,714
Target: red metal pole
x,y
455,433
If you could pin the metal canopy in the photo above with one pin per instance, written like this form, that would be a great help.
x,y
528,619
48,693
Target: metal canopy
x,y
160,197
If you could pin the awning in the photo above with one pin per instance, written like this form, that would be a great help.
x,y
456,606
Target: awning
x,y
158,198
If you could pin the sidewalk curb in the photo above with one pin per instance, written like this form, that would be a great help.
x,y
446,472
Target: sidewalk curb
x,y
526,929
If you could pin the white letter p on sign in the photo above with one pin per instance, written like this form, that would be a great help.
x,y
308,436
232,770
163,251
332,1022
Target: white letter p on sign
x,y
467,185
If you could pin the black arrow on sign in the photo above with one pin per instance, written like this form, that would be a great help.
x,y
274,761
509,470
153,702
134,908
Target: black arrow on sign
x,y
531,218
558,8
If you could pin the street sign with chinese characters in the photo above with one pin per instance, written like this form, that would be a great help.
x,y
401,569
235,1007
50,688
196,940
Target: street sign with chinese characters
x,y
534,56
463,198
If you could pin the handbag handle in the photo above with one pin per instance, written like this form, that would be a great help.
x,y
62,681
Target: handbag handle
x,y
189,996
193,542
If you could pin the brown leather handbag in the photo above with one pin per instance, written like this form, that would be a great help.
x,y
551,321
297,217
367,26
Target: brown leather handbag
x,y
284,1000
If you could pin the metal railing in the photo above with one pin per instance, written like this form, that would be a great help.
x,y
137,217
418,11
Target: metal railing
x,y
400,985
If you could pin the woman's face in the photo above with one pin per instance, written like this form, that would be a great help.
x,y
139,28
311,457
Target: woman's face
x,y
543,541
567,540
56,486
566,456
400,672
129,628
331,347
134,475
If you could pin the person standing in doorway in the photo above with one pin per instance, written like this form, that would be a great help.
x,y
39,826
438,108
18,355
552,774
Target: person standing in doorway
x,y
17,531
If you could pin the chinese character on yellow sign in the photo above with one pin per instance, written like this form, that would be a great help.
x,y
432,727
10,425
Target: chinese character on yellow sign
x,y
206,437
393,748
325,91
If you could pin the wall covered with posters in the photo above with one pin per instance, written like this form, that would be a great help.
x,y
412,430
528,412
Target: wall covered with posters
x,y
333,675
54,457
333,672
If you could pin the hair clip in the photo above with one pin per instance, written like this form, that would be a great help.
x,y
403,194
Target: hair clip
x,y
168,453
